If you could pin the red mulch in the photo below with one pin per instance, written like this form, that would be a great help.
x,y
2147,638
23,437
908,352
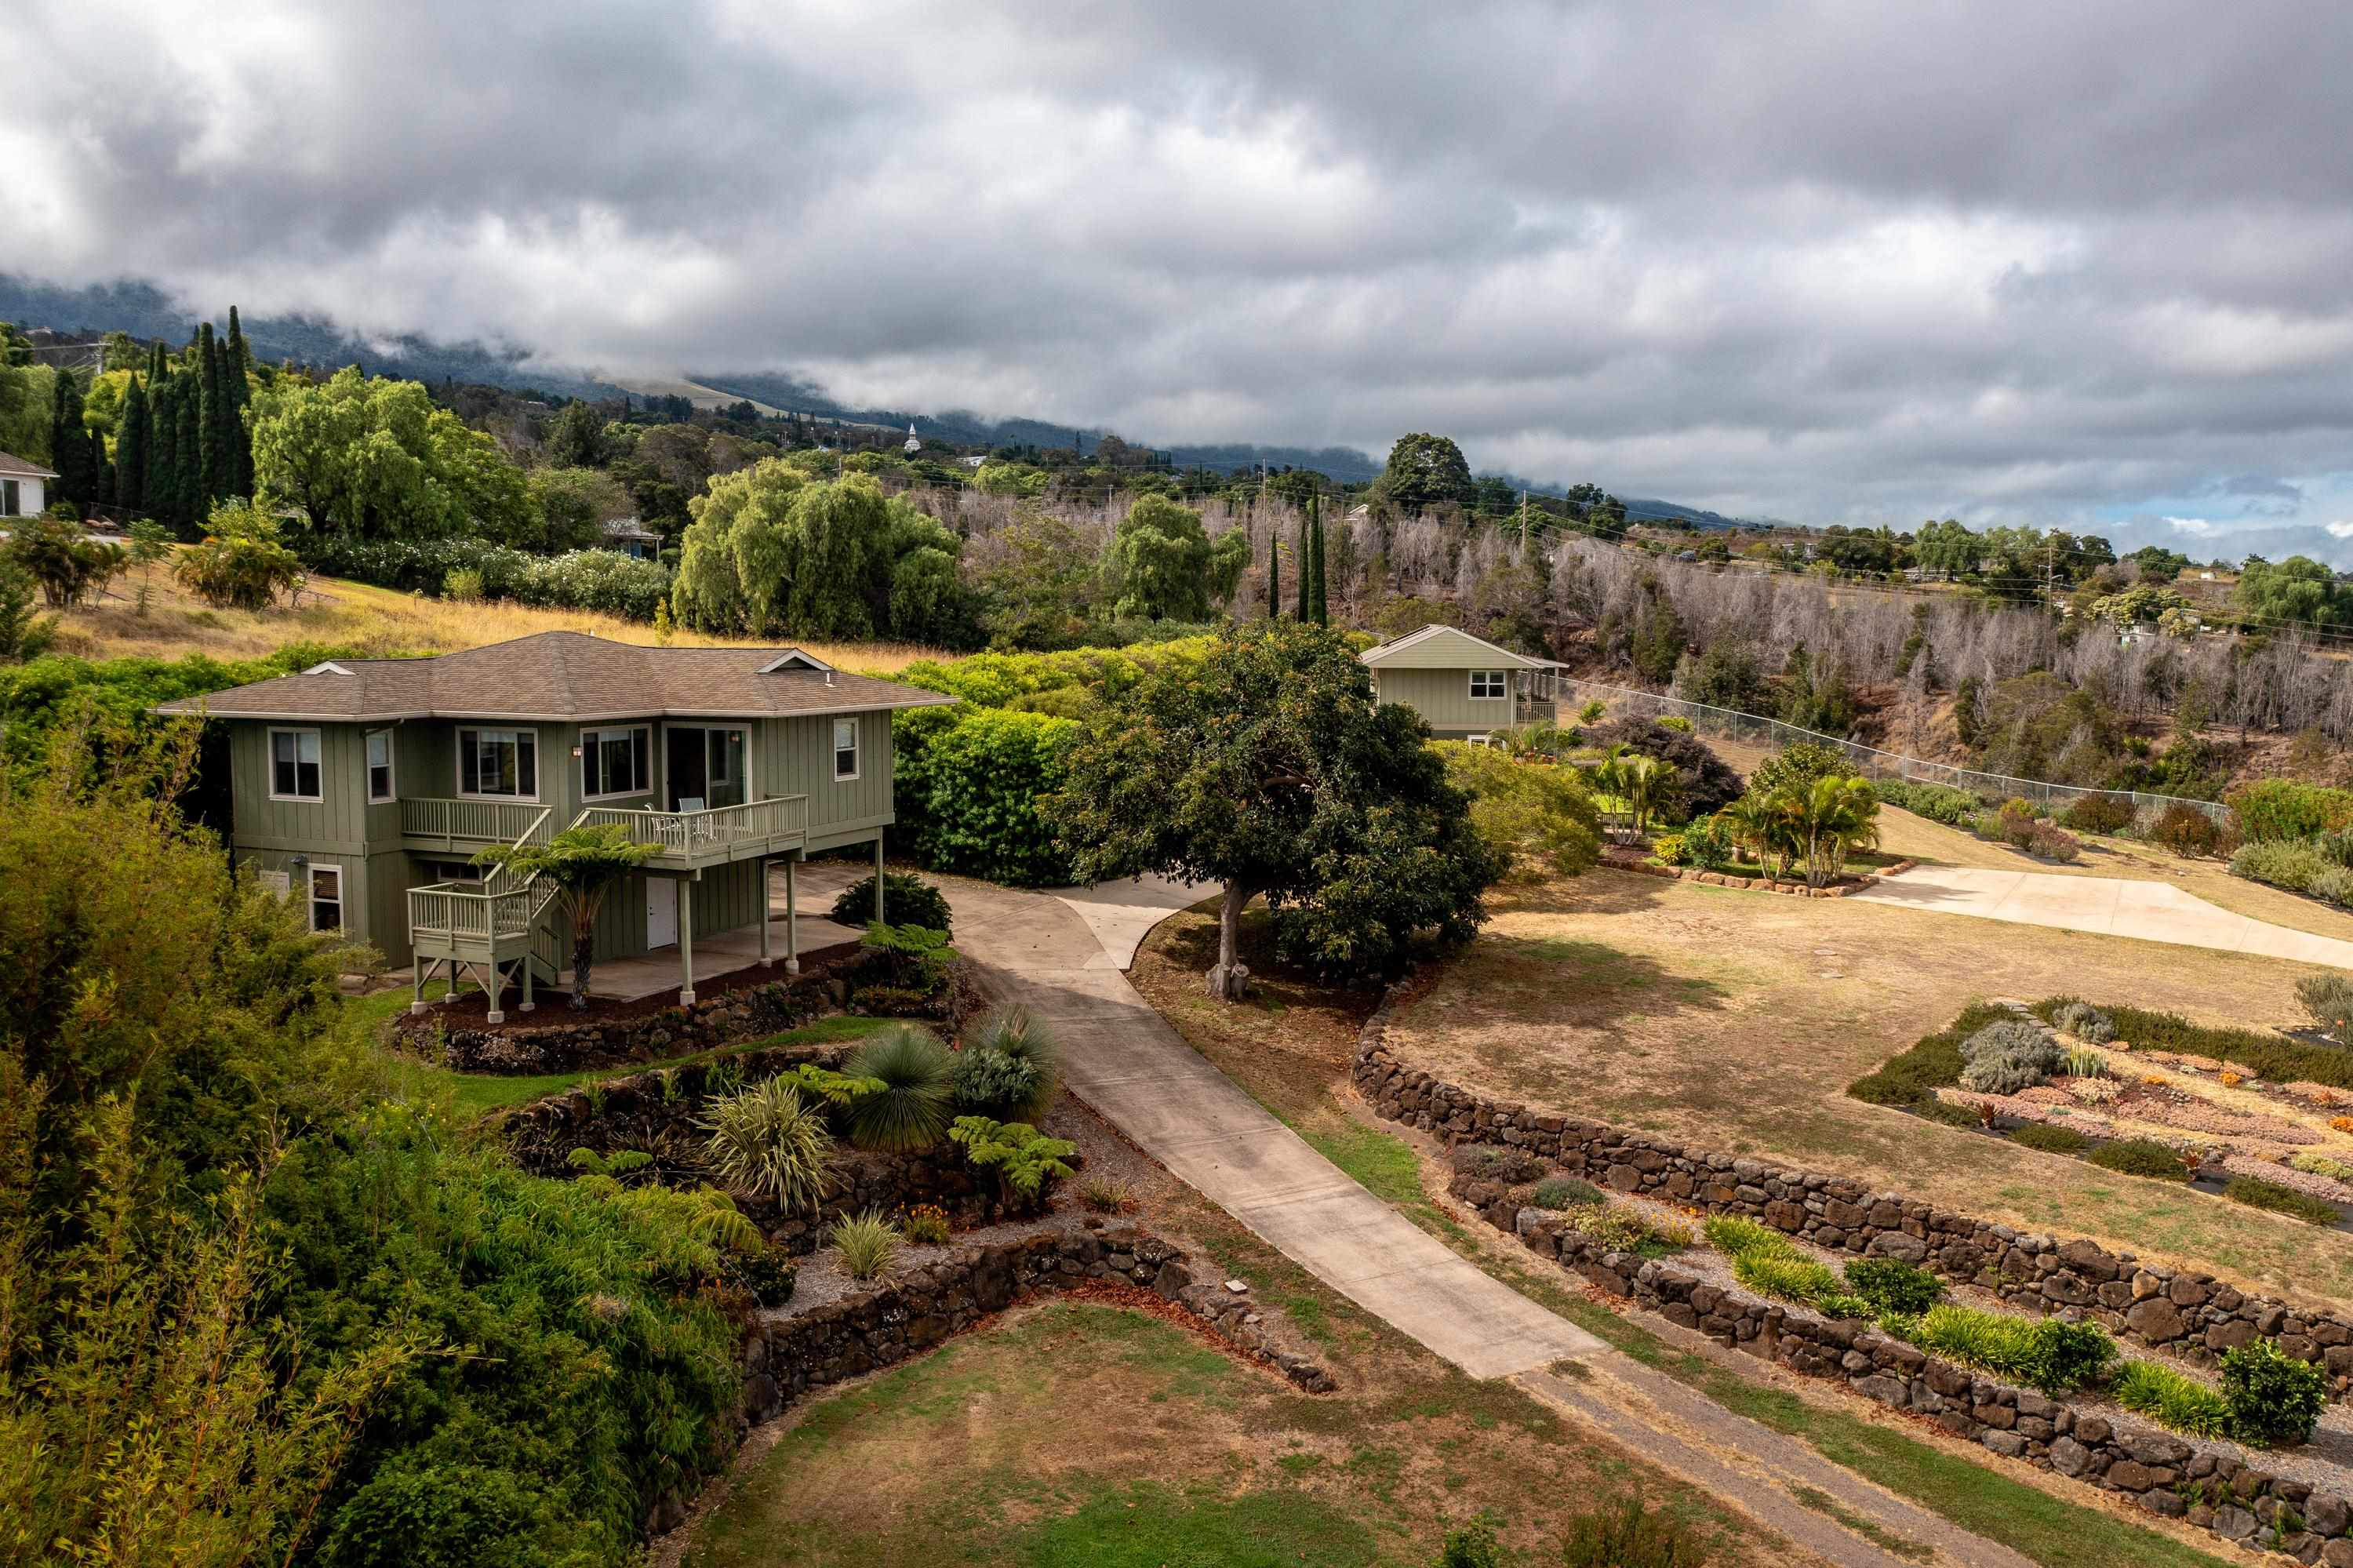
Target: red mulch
x,y
555,1002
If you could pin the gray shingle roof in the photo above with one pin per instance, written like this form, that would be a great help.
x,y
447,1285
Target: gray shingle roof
x,y
14,467
559,675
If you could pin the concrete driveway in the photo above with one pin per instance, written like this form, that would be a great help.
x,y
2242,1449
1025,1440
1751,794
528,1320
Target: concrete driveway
x,y
1064,956
2103,906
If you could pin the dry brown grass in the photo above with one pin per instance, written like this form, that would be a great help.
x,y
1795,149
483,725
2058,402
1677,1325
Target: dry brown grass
x,y
379,621
1736,1020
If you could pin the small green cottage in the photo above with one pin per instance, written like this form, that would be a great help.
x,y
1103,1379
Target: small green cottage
x,y
364,787
1467,687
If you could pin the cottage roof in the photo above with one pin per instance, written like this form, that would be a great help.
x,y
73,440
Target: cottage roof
x,y
1445,648
15,467
563,676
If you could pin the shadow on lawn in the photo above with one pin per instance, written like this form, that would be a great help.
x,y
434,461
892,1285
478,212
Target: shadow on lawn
x,y
1593,983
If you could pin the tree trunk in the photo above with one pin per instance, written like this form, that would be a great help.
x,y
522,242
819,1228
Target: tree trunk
x,y
1229,980
584,948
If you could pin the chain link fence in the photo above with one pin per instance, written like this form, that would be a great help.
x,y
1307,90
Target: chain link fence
x,y
1754,729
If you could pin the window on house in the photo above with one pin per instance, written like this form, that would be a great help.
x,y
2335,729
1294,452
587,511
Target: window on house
x,y
845,749
616,762
379,766
8,502
326,898
294,765
1486,684
499,762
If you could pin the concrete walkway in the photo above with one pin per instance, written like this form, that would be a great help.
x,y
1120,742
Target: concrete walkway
x,y
1122,1059
2103,906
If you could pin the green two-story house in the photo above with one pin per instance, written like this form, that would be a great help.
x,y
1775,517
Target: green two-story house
x,y
366,788
1467,687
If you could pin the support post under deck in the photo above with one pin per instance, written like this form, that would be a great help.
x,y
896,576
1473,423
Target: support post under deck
x,y
685,942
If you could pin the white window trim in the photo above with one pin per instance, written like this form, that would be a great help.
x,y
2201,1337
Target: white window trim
x,y
457,761
1503,696
311,897
857,751
390,767
269,760
645,729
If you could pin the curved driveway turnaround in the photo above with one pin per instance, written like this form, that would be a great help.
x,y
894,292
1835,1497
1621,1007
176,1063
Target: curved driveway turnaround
x,y
1122,1059
2103,905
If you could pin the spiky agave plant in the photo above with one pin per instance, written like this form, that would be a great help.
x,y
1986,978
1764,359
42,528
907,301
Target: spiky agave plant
x,y
767,1142
911,1111
1012,1065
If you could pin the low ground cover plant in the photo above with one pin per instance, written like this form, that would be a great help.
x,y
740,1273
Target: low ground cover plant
x,y
867,1244
2083,1021
1614,1229
926,1225
2172,1399
1734,1236
1625,1535
1910,1080
2268,1056
2141,1156
1565,1192
2299,865
2050,1139
2328,998
2049,1353
1937,802
2257,1193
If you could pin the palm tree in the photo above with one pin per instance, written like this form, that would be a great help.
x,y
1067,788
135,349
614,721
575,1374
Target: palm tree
x,y
1828,818
1749,821
581,864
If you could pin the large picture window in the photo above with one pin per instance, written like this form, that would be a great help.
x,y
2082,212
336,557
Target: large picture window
x,y
615,762
501,763
379,766
845,749
1486,684
294,765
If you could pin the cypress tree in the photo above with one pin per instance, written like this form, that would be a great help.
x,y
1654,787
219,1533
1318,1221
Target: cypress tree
x,y
187,450
1273,575
70,444
238,436
1316,517
211,456
1306,574
162,450
131,448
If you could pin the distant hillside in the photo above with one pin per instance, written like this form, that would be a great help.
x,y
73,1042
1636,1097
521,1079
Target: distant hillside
x,y
1636,510
145,311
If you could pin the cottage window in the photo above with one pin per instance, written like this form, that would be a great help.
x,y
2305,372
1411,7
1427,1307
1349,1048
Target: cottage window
x,y
1486,684
326,898
294,765
615,762
379,766
845,750
500,763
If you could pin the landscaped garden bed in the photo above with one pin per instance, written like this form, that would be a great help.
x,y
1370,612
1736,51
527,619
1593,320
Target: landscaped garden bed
x,y
1636,860
2060,1077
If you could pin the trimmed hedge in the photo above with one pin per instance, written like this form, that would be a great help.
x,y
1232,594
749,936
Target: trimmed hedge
x,y
2273,808
2272,1056
967,787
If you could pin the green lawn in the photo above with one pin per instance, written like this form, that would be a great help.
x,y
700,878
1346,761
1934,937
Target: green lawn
x,y
474,1094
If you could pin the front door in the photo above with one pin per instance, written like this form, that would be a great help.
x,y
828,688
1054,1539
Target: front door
x,y
707,766
661,912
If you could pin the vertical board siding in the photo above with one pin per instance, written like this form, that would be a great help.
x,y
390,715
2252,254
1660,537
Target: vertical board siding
x,y
1443,697
794,756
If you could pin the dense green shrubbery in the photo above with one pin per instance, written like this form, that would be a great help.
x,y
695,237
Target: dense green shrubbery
x,y
35,696
604,581
967,787
1890,1285
2299,865
1935,801
1004,680
2273,1397
1911,1079
2187,832
2271,809
2098,814
906,901
1565,1192
2050,1139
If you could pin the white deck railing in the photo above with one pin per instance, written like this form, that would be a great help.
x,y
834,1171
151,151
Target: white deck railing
x,y
691,836
476,821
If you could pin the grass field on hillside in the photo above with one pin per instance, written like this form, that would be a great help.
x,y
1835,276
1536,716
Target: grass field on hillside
x,y
374,619
1735,1021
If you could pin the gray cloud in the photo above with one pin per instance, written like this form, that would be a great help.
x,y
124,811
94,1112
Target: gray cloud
x,y
2005,261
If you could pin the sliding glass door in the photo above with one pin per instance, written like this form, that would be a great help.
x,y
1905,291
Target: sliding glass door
x,y
709,766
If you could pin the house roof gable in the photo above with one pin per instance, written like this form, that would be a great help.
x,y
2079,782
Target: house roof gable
x,y
1438,647
562,677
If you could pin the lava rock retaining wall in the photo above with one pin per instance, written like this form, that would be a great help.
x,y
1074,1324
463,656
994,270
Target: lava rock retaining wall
x,y
2163,1474
2194,1315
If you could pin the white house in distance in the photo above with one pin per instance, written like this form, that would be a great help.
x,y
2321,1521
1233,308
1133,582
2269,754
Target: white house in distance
x,y
1467,687
24,487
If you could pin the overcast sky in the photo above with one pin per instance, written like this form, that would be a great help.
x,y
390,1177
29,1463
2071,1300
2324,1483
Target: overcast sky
x,y
2076,263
